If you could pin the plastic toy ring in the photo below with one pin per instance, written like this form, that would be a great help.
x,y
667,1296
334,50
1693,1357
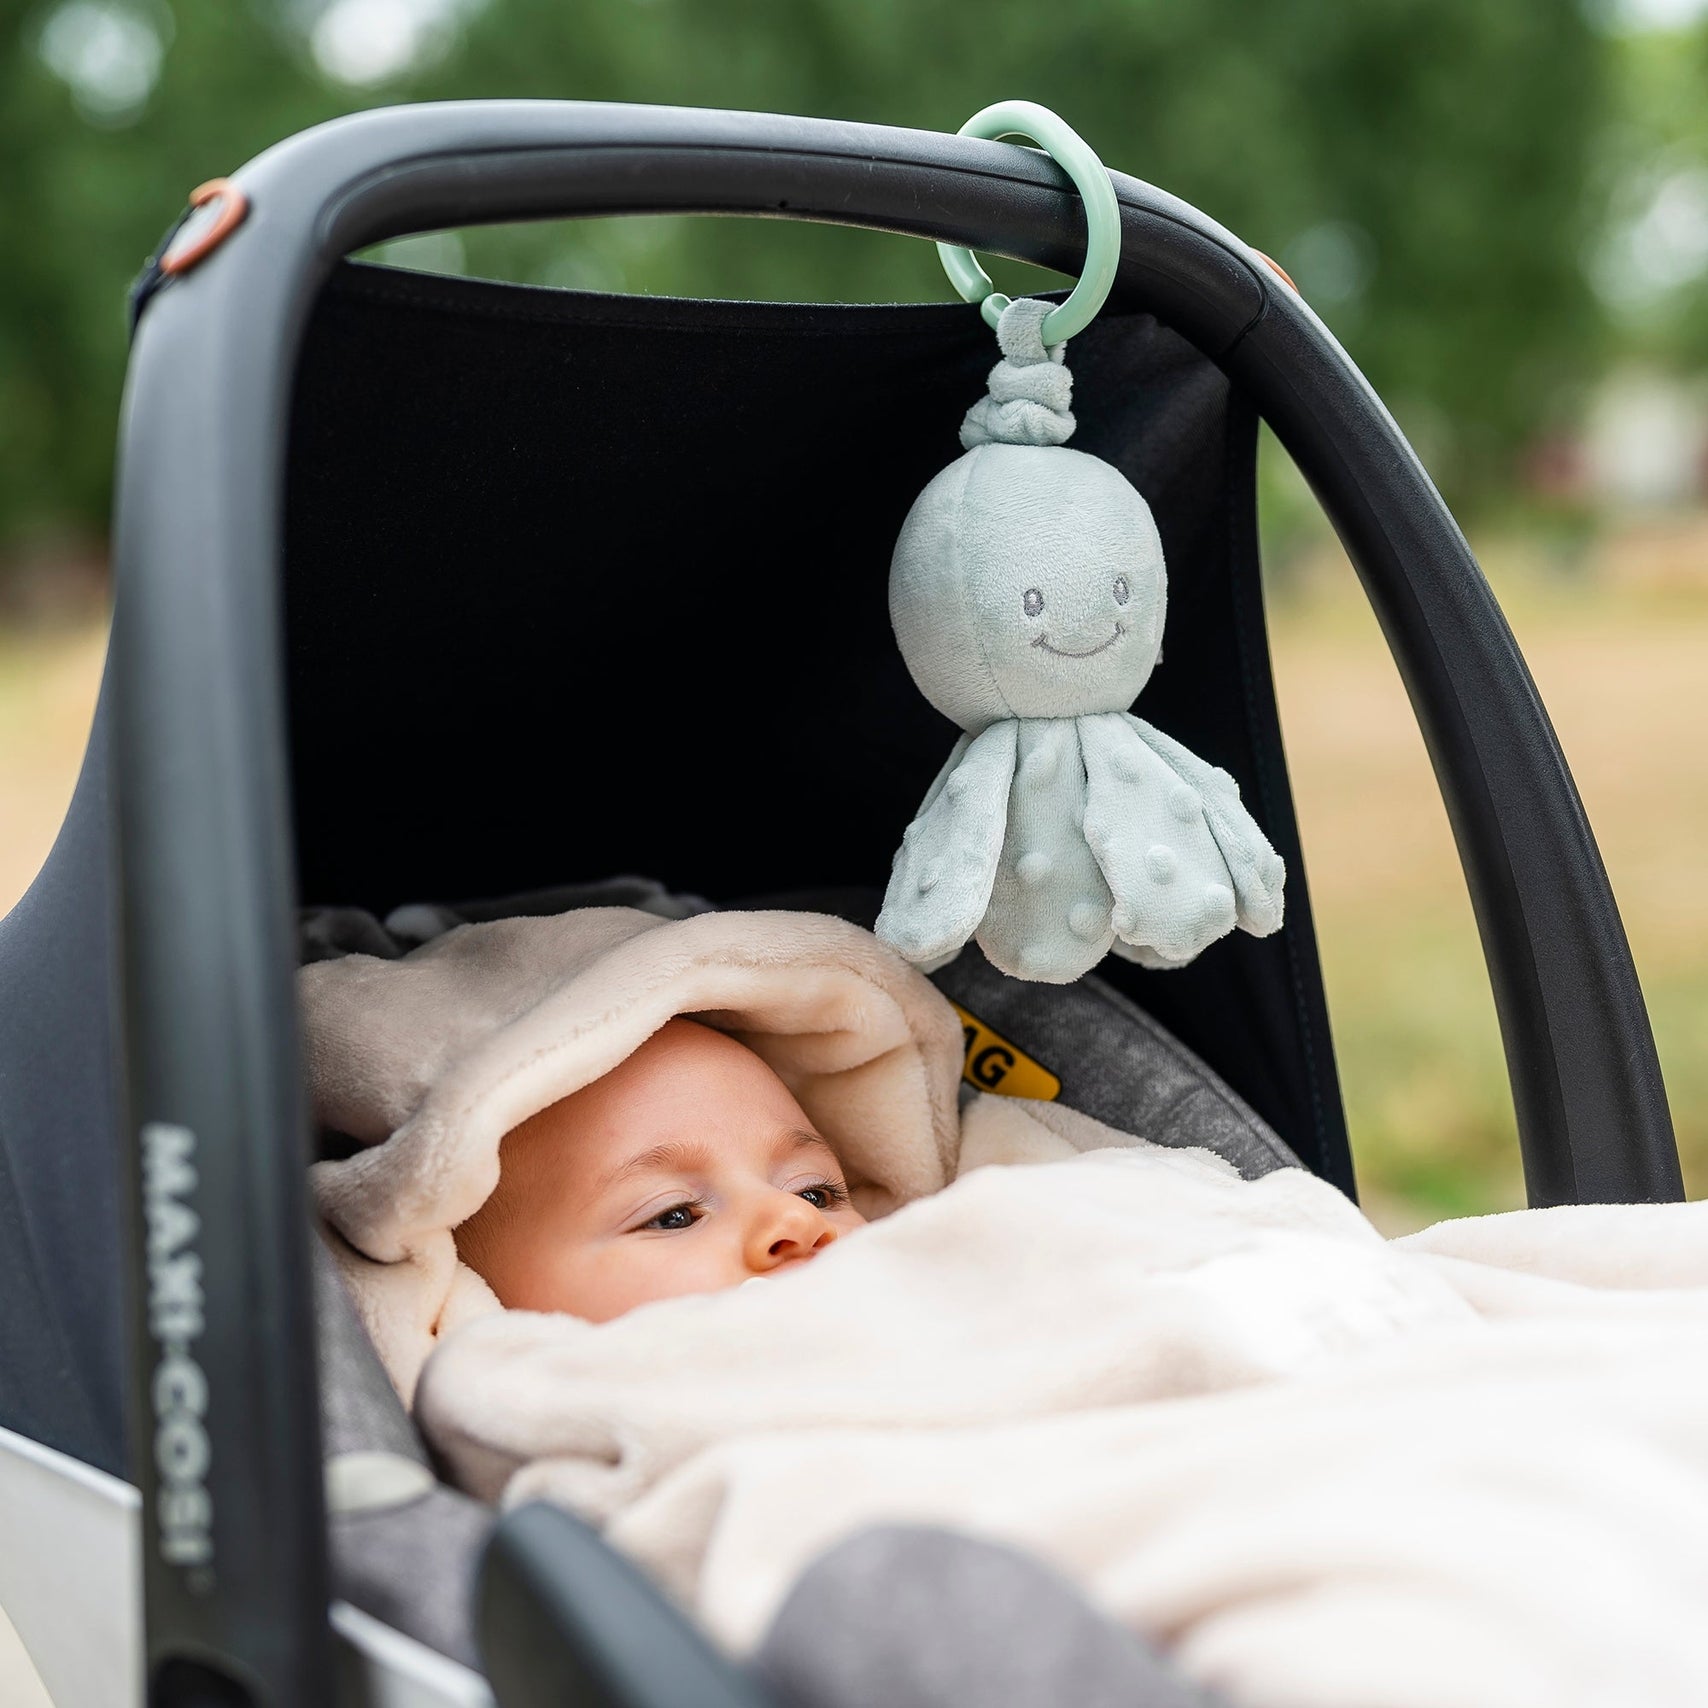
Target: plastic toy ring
x,y
1073,154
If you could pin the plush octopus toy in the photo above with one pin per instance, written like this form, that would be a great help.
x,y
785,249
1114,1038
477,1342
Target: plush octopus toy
x,y
1027,592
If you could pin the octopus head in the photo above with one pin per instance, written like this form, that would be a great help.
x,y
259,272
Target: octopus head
x,y
1028,582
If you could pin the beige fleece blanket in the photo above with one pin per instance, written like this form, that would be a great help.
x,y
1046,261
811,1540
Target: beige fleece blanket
x,y
1467,1469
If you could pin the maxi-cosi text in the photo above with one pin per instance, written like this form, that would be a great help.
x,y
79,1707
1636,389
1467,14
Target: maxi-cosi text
x,y
179,1390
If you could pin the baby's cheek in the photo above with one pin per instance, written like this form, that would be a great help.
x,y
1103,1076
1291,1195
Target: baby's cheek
x,y
604,1282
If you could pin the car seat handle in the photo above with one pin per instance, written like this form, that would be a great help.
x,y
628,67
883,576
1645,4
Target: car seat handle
x,y
563,1617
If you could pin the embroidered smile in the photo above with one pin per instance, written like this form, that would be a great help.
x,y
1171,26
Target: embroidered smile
x,y
1062,652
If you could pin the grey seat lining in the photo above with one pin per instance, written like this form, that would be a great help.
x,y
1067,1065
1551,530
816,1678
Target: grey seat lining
x,y
916,1617
1116,1064
326,933
413,1563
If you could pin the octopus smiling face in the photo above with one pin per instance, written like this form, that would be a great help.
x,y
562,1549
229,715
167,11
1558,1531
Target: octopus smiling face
x,y
1028,582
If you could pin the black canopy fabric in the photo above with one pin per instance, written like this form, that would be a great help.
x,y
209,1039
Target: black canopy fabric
x,y
578,585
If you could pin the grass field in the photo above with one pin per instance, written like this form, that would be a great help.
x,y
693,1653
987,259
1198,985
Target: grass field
x,y
48,682
1620,652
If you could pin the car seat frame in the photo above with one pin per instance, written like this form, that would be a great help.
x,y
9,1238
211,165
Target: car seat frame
x,y
205,863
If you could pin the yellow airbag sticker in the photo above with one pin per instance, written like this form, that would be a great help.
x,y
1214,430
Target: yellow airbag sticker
x,y
994,1064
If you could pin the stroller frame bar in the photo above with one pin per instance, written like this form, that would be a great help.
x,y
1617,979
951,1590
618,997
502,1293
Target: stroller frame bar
x,y
225,1431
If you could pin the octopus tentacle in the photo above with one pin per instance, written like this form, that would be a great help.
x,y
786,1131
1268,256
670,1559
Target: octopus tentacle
x,y
1049,907
940,885
1172,846
1259,874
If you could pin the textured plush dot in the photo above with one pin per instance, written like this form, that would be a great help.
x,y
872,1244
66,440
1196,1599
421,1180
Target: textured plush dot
x,y
1218,903
1033,868
931,875
956,786
1123,918
1161,863
1183,803
1087,919
1129,766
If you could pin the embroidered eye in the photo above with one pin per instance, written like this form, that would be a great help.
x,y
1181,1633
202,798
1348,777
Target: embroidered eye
x,y
1122,592
1032,602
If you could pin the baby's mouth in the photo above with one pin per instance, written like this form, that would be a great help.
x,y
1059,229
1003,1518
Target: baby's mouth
x,y
1062,652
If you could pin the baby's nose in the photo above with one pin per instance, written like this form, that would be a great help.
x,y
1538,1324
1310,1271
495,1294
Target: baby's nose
x,y
795,1231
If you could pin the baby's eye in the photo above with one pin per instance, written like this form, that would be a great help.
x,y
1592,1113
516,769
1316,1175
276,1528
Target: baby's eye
x,y
1032,602
825,1196
678,1216
1122,591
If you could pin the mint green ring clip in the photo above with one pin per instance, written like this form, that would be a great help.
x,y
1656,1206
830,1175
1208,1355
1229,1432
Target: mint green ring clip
x,y
1073,154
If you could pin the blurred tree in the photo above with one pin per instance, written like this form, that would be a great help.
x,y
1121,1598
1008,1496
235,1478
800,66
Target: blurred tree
x,y
109,113
1650,264
1420,165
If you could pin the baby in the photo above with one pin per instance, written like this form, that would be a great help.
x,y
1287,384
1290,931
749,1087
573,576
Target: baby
x,y
687,1168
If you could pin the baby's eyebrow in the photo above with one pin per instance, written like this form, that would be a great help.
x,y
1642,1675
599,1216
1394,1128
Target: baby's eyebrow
x,y
680,1154
803,1138
686,1155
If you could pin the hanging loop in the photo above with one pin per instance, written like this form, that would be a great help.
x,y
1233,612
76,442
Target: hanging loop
x,y
1073,154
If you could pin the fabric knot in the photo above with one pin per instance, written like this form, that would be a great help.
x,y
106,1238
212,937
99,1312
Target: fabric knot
x,y
1031,389
1020,332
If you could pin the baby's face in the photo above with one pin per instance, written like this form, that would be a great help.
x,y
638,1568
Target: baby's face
x,y
688,1168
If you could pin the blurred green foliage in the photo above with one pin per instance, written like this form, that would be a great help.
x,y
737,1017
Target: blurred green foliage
x,y
1652,176
1426,168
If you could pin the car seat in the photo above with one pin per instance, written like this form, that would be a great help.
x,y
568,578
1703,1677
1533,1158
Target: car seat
x,y
431,589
